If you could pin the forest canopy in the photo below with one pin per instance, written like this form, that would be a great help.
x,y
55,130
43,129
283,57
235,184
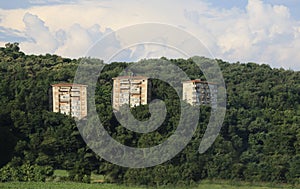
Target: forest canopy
x,y
259,139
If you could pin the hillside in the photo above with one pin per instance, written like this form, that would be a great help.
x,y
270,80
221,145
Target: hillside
x,y
259,140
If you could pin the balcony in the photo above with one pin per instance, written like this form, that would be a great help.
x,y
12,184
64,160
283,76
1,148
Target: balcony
x,y
64,99
75,90
124,87
135,82
64,89
64,107
124,81
123,101
135,90
135,100
124,95
75,93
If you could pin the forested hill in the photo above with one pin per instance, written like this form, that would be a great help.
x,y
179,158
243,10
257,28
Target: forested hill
x,y
259,140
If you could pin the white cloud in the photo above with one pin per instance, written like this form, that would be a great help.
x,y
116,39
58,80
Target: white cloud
x,y
78,40
40,38
264,33
71,41
47,1
261,32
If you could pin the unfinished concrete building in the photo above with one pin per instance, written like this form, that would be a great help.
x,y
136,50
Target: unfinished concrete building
x,y
70,99
131,90
197,92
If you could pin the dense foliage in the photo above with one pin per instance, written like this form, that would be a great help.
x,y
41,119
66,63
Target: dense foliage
x,y
259,140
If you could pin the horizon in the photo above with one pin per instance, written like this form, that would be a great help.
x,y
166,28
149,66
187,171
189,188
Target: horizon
x,y
260,31
162,57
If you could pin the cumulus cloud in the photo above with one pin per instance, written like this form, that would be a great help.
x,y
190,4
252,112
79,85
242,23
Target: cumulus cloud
x,y
39,37
77,40
260,32
74,41
142,51
263,33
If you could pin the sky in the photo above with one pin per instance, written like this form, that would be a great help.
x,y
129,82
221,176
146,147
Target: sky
x,y
260,31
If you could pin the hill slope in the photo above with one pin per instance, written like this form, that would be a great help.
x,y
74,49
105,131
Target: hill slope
x,y
259,140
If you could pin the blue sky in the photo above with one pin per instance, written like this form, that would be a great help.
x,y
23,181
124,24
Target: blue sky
x,y
293,5
262,31
15,4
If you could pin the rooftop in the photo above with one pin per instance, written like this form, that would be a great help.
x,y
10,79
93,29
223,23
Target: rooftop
x,y
130,77
198,81
68,85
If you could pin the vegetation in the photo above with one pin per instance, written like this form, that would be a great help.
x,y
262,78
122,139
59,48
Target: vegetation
x,y
259,140
72,185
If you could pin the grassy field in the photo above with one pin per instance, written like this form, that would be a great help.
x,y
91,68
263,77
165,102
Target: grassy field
x,y
72,185
206,184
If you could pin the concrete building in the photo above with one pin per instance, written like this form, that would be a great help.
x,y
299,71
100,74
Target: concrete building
x,y
131,90
70,99
197,92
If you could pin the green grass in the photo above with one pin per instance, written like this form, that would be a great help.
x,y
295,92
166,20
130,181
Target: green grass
x,y
97,178
228,184
60,173
94,177
72,185
59,185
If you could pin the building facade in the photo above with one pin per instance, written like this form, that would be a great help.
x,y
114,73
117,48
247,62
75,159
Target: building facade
x,y
197,92
131,90
70,99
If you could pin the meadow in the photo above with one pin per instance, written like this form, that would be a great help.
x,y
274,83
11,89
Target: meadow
x,y
73,185
96,180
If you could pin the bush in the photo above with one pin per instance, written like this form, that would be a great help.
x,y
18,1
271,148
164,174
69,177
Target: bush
x,y
8,173
25,172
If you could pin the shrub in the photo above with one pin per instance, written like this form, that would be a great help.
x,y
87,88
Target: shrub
x,y
25,172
